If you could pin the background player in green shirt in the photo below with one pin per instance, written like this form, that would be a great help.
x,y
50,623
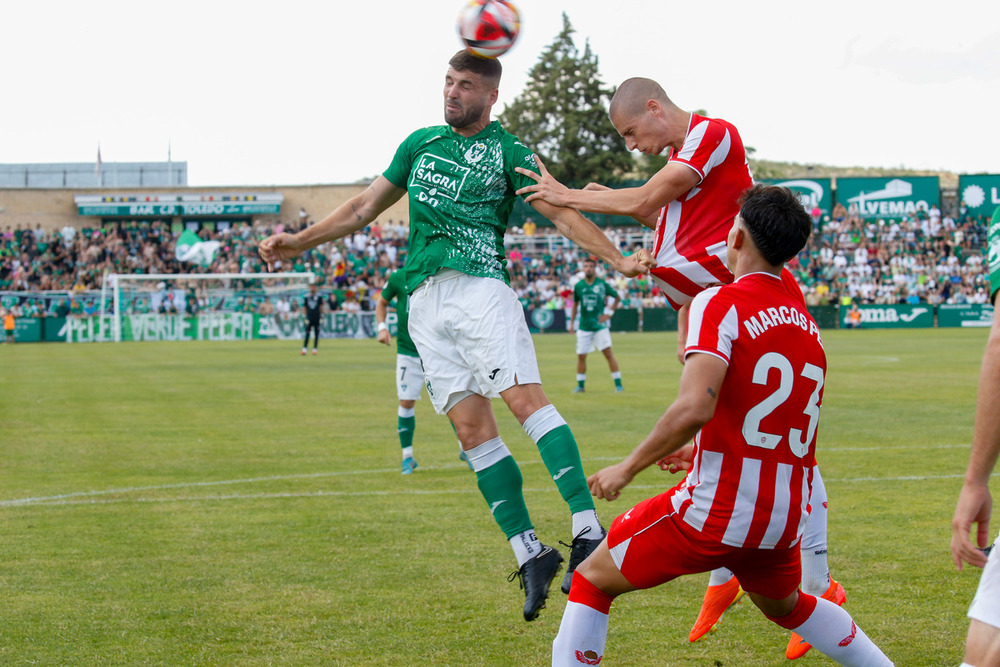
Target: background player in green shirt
x,y
409,374
465,320
590,296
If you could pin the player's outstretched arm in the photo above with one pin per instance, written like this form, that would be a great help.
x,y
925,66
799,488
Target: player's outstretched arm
x,y
349,217
640,202
696,399
649,221
381,312
589,236
975,504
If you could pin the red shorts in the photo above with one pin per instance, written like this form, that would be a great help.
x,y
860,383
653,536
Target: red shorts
x,y
651,545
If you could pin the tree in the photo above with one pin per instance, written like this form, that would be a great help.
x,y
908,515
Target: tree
x,y
562,115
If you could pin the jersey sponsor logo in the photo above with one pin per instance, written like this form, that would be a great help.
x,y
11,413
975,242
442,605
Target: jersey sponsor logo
x,y
436,177
562,472
589,657
494,506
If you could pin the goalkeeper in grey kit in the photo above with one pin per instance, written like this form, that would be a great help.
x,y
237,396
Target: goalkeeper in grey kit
x,y
465,320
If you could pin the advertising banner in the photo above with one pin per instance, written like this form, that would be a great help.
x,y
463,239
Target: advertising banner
x,y
888,198
812,192
153,327
965,315
891,317
26,330
979,193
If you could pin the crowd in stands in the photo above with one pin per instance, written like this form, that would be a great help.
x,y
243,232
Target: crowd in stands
x,y
923,258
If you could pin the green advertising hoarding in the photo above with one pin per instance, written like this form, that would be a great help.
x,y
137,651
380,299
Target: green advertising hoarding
x,y
979,193
888,197
185,205
812,192
891,316
26,330
965,315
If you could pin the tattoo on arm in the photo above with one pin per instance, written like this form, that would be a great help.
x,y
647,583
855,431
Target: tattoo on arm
x,y
356,213
711,392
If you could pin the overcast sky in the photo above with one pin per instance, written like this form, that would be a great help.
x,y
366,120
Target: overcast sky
x,y
293,92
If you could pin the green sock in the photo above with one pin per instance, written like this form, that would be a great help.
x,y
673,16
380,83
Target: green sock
x,y
562,458
500,485
617,377
405,426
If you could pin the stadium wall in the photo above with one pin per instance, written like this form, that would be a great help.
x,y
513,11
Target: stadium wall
x,y
54,208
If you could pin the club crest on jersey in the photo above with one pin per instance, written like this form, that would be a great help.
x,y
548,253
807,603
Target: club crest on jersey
x,y
475,152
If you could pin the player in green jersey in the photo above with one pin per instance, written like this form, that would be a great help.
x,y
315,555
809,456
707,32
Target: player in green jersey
x,y
409,370
409,374
465,320
590,297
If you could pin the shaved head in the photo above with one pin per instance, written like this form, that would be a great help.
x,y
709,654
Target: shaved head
x,y
631,97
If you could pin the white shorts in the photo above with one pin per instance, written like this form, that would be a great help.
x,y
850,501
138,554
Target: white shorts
x,y
986,605
409,377
471,336
588,341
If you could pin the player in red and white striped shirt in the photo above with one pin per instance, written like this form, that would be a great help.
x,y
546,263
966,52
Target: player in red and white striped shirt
x,y
750,394
691,203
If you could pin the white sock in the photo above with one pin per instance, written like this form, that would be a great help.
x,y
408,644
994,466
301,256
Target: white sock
x,y
832,632
720,576
815,568
407,453
815,572
405,412
587,519
581,377
541,421
617,375
526,546
583,631
483,456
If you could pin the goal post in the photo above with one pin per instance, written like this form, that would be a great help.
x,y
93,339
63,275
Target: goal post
x,y
115,281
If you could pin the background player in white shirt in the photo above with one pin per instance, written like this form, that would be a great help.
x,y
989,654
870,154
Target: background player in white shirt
x,y
975,506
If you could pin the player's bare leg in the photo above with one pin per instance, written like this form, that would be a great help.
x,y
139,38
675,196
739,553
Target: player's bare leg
x,y
982,645
581,374
616,374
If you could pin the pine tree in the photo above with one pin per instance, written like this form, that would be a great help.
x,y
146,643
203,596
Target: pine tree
x,y
562,115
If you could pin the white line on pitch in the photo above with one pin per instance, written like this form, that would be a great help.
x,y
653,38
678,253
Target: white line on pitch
x,y
37,500
70,499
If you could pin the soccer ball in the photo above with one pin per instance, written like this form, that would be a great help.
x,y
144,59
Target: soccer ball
x,y
488,28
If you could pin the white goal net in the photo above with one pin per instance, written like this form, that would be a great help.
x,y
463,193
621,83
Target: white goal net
x,y
224,304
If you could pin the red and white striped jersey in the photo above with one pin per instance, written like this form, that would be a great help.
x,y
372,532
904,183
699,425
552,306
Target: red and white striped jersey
x,y
690,238
752,475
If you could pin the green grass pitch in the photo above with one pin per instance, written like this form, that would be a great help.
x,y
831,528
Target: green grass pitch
x,y
237,504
